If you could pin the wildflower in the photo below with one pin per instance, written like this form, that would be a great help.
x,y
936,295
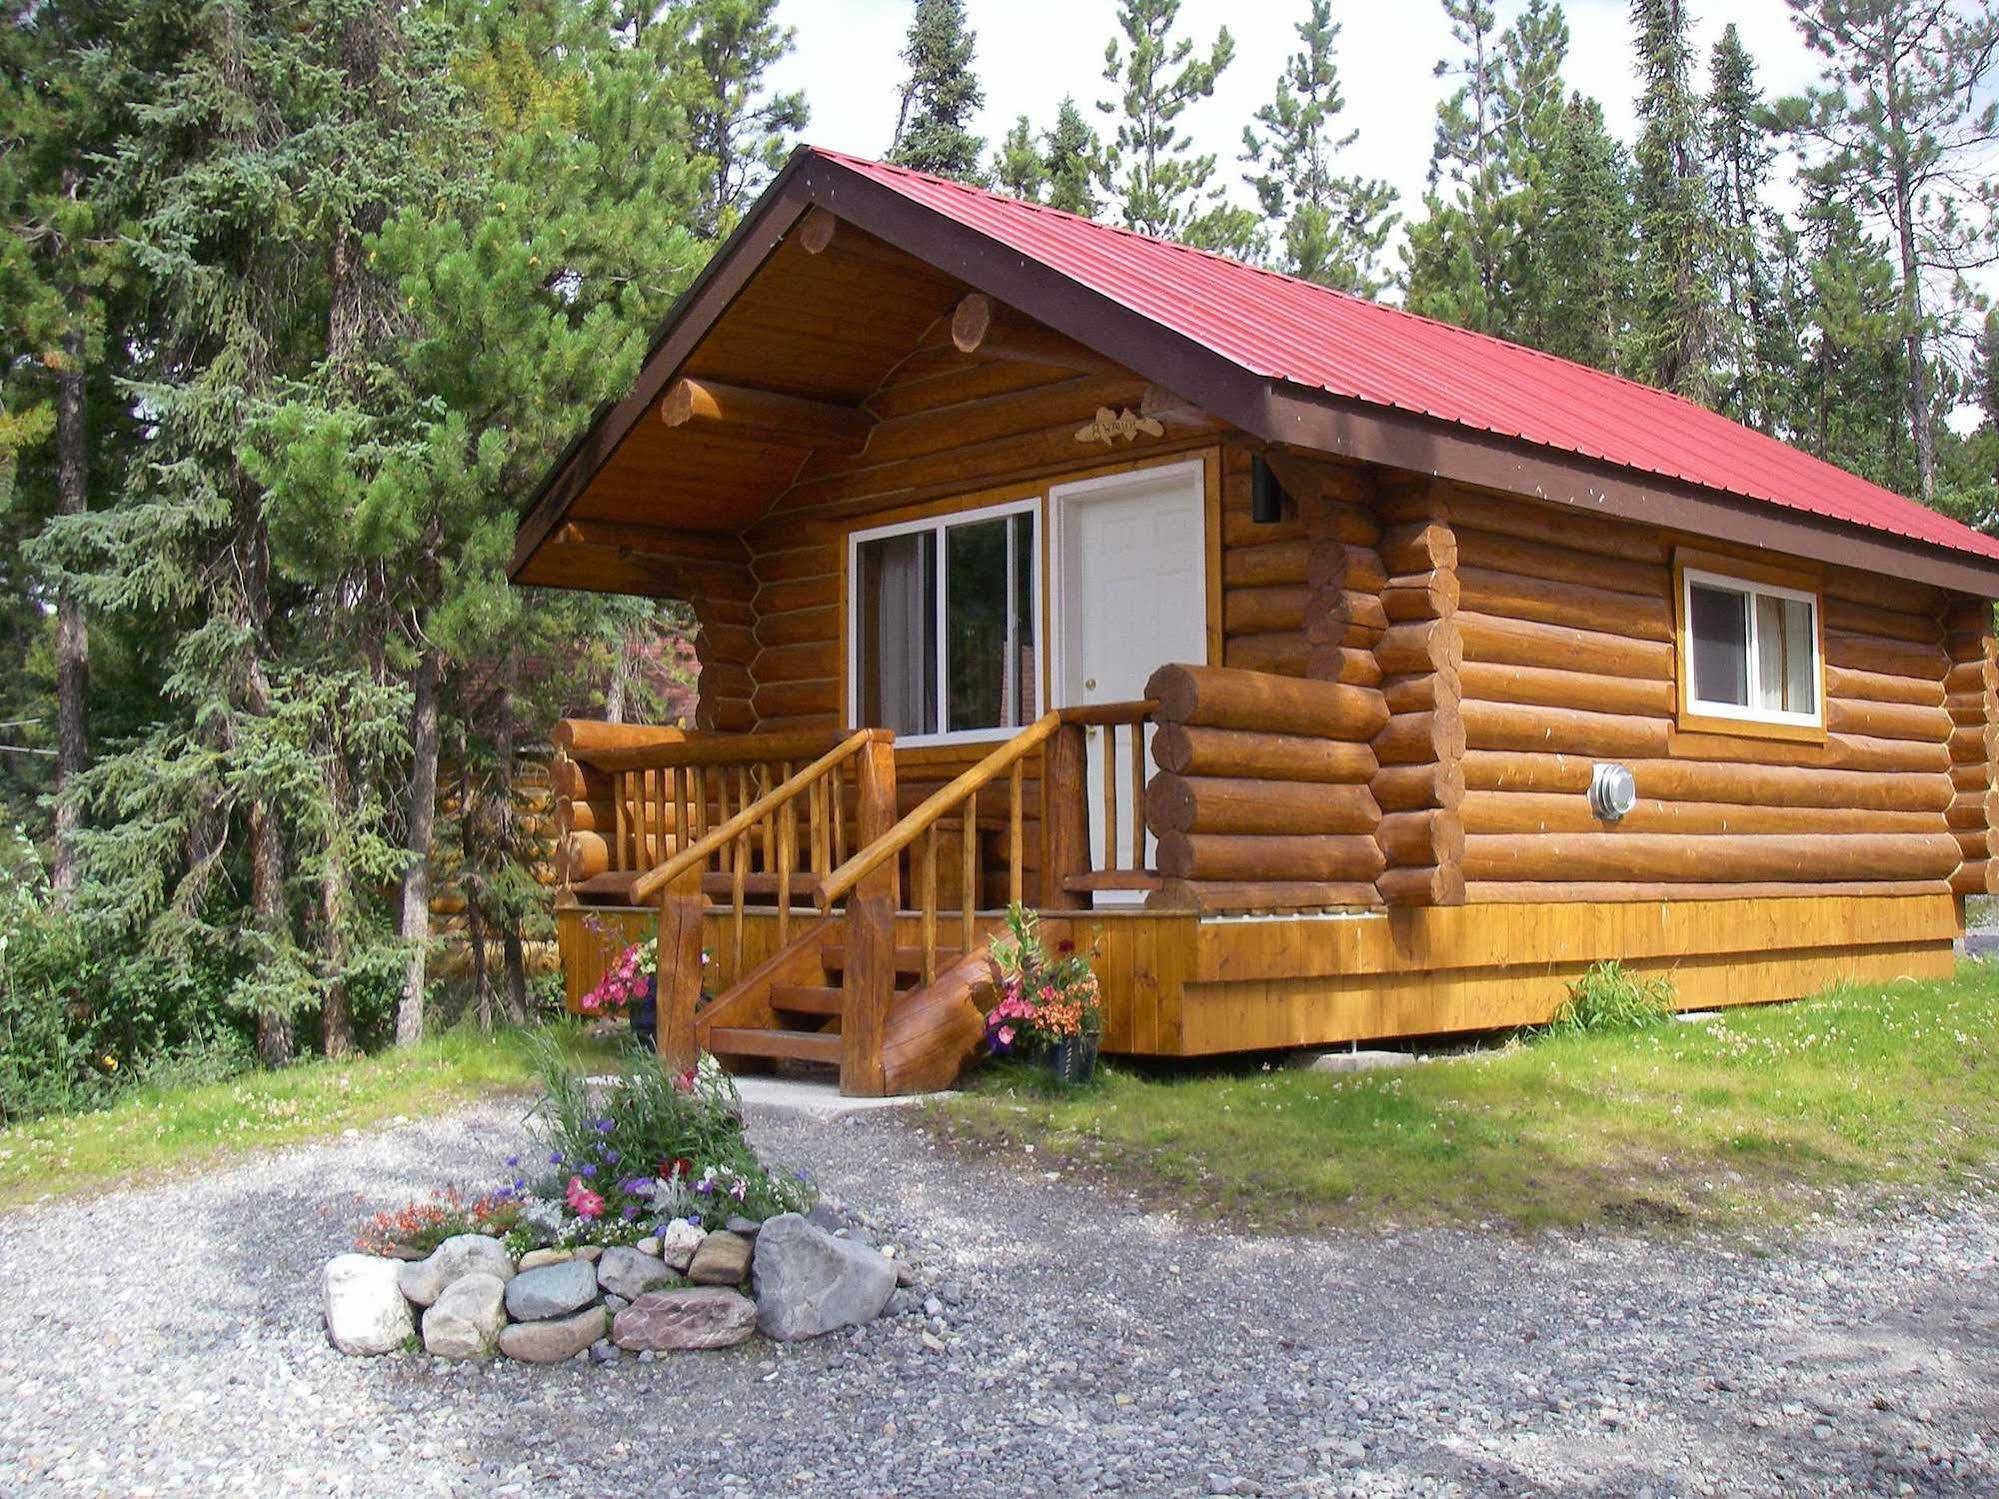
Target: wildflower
x,y
611,1157
513,1160
589,1168
603,1126
555,1158
582,1201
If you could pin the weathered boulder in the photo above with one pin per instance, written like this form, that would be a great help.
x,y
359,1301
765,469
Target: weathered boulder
x,y
628,1273
366,1312
808,1282
551,1291
678,1241
703,1317
554,1340
455,1258
465,1320
722,1260
534,1259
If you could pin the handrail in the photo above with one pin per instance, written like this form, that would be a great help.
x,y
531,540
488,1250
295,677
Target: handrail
x,y
702,850
709,750
1092,715
933,807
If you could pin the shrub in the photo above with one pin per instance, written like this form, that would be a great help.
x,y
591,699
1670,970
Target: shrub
x,y
1045,999
1606,998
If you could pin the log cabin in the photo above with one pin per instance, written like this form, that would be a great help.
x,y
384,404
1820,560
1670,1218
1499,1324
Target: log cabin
x,y
1335,673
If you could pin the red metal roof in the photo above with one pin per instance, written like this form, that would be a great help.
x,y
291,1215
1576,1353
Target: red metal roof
x,y
1285,329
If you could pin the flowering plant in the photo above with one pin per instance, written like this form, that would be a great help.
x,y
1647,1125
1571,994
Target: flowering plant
x,y
629,981
1045,999
428,1222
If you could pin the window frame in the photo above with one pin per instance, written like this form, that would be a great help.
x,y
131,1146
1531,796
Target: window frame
x,y
937,525
1750,579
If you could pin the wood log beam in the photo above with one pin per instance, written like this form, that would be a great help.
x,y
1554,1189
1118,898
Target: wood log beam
x,y
766,415
980,328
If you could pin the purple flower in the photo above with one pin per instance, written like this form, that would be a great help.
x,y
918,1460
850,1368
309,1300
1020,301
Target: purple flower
x,y
589,1170
604,1126
555,1158
631,1211
612,1157
513,1160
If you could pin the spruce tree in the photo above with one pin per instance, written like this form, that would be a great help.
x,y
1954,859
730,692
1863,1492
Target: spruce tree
x,y
941,95
1455,252
1676,224
1740,156
1069,154
1331,227
1162,187
1017,168
1585,264
1901,128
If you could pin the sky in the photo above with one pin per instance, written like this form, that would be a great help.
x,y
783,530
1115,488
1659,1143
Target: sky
x,y
1033,52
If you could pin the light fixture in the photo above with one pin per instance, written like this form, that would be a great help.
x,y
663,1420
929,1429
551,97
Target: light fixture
x,y
1267,498
1613,791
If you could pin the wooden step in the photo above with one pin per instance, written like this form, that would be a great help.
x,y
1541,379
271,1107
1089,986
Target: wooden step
x,y
793,1046
805,999
908,960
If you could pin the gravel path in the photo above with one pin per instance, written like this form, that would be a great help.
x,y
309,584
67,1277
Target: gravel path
x,y
168,1341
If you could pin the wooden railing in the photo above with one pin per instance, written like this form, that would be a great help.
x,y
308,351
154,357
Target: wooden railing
x,y
1119,862
759,841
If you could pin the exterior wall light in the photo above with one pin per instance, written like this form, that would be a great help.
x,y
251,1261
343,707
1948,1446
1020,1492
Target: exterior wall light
x,y
1613,791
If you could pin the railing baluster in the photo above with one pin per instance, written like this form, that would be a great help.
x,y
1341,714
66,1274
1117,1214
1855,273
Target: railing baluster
x,y
815,803
618,859
764,784
739,875
1138,794
678,781
1015,853
927,902
656,813
743,799
1110,796
838,813
787,855
968,870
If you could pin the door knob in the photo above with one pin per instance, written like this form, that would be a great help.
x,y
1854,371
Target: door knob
x,y
1089,684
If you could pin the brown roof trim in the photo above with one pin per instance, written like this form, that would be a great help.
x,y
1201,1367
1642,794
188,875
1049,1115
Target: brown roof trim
x,y
1373,434
1273,411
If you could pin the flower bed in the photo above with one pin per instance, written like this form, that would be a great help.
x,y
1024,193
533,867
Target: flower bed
x,y
638,1226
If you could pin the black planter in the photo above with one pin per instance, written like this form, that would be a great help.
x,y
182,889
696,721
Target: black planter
x,y
1073,1061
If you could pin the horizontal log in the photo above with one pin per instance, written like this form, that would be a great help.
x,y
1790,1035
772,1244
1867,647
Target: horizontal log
x,y
1612,892
577,781
1419,694
1242,856
585,855
1562,564
1230,804
1887,720
792,594
1287,653
1837,752
1972,743
1707,781
807,661
726,679
1219,896
1336,566
1221,697
1575,605
1413,738
1419,547
1254,611
722,749
1340,663
1552,687
1968,709
1878,687
1185,749
1894,658
794,626
1671,857
1972,775
1555,812
736,643
1408,788
1553,525
1565,731
1435,885
1523,642
1432,645
1422,838
585,816
579,738
1868,619
788,699
1976,843
1431,595
1881,591
1979,676
766,416
1976,877
1271,563
1971,809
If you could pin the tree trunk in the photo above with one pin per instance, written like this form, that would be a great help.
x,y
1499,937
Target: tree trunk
x,y
72,636
1922,435
514,960
414,927
267,855
336,1016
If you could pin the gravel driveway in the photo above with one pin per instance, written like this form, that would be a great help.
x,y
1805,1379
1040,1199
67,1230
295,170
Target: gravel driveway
x,y
168,1340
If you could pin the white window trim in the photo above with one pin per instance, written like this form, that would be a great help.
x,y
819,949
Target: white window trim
x,y
937,525
1705,708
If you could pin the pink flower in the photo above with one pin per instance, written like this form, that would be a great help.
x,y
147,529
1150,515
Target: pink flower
x,y
582,1201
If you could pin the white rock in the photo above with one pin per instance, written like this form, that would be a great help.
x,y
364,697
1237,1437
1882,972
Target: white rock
x,y
366,1312
677,1243
465,1321
457,1257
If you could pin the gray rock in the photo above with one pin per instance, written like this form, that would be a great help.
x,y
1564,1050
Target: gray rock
x,y
551,1291
534,1259
703,1317
465,1321
603,1351
366,1312
628,1273
614,1303
590,1252
825,1215
648,1246
747,1227
678,1241
455,1258
722,1260
554,1341
808,1282
1351,1061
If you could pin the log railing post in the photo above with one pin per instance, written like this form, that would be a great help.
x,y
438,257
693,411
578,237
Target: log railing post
x,y
1065,817
869,979
677,982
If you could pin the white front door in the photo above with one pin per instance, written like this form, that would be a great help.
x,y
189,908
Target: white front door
x,y
1129,555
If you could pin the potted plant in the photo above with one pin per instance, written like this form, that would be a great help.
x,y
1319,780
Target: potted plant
x,y
1049,1008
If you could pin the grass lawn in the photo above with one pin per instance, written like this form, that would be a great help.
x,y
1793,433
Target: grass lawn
x,y
152,1131
1756,1115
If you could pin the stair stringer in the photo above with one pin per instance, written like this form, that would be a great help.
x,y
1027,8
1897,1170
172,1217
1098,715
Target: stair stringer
x,y
746,1003
933,1031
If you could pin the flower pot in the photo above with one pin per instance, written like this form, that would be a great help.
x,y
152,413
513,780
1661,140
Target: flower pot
x,y
1072,1060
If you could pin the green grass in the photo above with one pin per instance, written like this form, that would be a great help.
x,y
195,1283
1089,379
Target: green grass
x,y
152,1132
1756,1116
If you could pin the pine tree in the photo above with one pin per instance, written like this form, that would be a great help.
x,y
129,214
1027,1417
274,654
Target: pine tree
x,y
1740,157
941,95
1332,227
1162,187
738,128
1677,231
1587,249
1455,252
1017,169
1070,154
1532,122
1900,129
